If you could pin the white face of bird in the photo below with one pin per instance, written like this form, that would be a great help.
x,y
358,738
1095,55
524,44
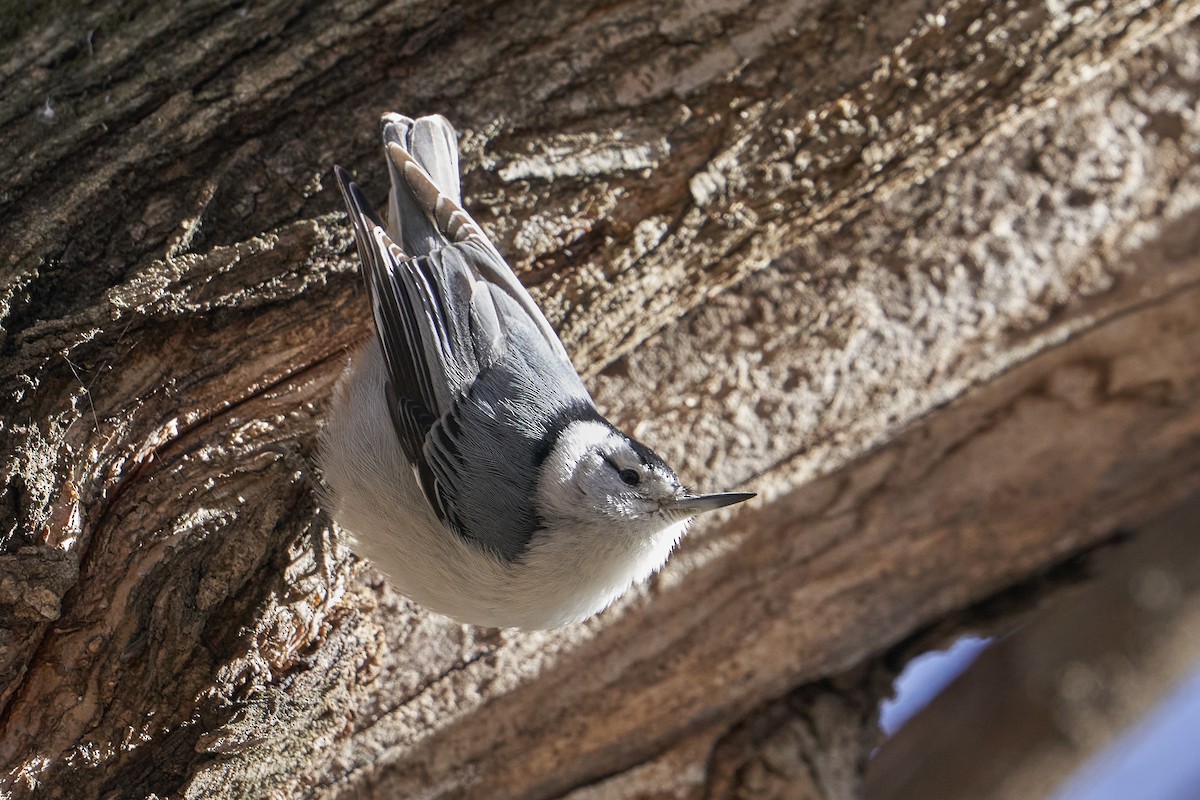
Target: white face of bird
x,y
597,474
628,481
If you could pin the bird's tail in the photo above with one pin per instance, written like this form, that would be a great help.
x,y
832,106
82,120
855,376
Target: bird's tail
x,y
432,143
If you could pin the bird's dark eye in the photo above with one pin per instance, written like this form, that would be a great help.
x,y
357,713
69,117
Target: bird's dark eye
x,y
630,477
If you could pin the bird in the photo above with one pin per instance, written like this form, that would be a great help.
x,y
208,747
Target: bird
x,y
462,453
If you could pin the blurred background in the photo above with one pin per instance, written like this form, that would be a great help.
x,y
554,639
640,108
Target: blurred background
x,y
1095,695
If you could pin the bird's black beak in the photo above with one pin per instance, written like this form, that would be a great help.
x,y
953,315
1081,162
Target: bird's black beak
x,y
689,505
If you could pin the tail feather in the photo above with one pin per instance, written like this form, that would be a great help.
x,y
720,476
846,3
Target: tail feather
x,y
425,216
452,222
432,143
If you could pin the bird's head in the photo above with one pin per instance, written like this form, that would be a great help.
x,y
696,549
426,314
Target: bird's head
x,y
595,474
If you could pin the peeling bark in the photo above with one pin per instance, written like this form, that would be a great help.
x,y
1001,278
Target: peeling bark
x,y
925,276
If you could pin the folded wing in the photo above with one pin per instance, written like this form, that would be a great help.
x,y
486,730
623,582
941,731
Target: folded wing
x,y
473,364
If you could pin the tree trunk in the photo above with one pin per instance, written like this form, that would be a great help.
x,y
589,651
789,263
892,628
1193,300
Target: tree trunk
x,y
925,275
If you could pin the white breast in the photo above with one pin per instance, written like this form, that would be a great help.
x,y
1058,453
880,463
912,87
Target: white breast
x,y
374,495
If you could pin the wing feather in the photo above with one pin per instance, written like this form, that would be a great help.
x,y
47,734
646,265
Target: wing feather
x,y
458,227
472,362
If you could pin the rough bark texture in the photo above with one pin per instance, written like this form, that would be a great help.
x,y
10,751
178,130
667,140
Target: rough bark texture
x,y
925,275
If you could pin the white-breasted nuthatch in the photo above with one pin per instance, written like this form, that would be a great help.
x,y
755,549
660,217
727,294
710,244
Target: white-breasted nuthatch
x,y
462,452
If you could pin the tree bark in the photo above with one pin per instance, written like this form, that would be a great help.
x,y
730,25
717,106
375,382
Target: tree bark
x,y
924,275
1036,704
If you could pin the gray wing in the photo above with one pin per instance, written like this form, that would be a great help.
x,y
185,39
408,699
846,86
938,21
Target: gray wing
x,y
475,369
423,164
411,397
486,453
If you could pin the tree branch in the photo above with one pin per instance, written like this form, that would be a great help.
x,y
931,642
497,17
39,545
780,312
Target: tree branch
x,y
925,276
